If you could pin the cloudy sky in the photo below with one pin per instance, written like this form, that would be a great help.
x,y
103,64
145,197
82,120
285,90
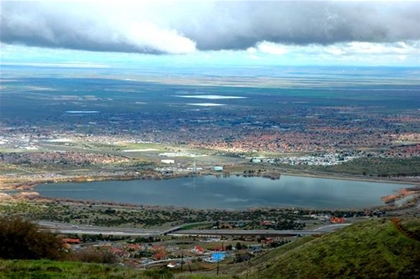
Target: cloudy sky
x,y
235,32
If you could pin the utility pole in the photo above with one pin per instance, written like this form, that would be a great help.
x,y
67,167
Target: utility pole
x,y
182,260
219,259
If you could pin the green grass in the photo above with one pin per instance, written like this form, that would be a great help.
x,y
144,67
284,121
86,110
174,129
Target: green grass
x,y
377,167
64,270
45,269
373,249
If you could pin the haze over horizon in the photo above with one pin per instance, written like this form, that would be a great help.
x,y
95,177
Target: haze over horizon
x,y
212,32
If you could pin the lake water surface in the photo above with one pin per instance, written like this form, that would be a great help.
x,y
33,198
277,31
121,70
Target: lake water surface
x,y
229,193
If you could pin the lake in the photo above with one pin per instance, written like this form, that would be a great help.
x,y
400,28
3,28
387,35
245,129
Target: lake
x,y
234,192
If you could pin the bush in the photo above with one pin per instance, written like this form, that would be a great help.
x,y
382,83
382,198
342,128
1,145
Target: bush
x,y
21,239
158,274
91,255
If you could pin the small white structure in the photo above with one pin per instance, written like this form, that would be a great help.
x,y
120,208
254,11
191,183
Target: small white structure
x,y
167,161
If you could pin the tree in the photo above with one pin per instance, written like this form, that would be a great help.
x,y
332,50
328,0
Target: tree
x,y
21,239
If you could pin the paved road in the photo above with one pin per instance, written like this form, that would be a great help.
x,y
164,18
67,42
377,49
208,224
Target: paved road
x,y
330,228
84,229
175,260
245,232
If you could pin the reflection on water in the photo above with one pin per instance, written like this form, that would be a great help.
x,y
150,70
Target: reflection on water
x,y
229,193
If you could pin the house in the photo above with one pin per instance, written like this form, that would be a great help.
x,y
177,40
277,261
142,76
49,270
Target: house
x,y
71,240
119,252
267,240
71,243
159,256
336,220
255,248
198,250
218,248
134,247
173,264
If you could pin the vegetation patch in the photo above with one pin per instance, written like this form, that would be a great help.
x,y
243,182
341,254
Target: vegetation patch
x,y
64,270
21,239
373,249
378,167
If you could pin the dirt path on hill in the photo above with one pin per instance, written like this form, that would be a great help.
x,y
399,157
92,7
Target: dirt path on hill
x,y
403,231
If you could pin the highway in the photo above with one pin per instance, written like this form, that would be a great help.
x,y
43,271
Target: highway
x,y
175,231
85,229
330,228
319,230
245,232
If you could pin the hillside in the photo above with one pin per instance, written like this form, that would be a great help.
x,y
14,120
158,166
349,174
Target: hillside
x,y
380,248
47,269
374,249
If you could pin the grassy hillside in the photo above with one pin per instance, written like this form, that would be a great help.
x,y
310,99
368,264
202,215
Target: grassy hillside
x,y
380,248
25,269
374,249
46,269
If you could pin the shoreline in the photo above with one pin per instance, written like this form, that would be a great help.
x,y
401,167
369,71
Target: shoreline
x,y
353,178
36,197
27,185
23,188
16,184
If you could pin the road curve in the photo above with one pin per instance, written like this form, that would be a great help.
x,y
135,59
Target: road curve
x,y
330,228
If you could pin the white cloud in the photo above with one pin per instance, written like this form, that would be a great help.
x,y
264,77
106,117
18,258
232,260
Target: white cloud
x,y
348,52
150,36
272,48
339,49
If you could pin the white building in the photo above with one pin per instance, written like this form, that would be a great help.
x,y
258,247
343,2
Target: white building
x,y
167,161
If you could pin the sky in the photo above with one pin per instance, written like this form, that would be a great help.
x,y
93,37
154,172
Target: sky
x,y
104,33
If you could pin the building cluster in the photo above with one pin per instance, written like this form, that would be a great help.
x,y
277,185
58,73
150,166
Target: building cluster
x,y
146,253
291,129
61,158
327,159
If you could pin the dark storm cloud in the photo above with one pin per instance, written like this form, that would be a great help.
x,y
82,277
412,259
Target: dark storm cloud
x,y
240,26
182,27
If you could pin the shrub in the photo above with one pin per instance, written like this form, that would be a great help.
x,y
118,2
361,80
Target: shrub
x,y
158,274
21,239
91,255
